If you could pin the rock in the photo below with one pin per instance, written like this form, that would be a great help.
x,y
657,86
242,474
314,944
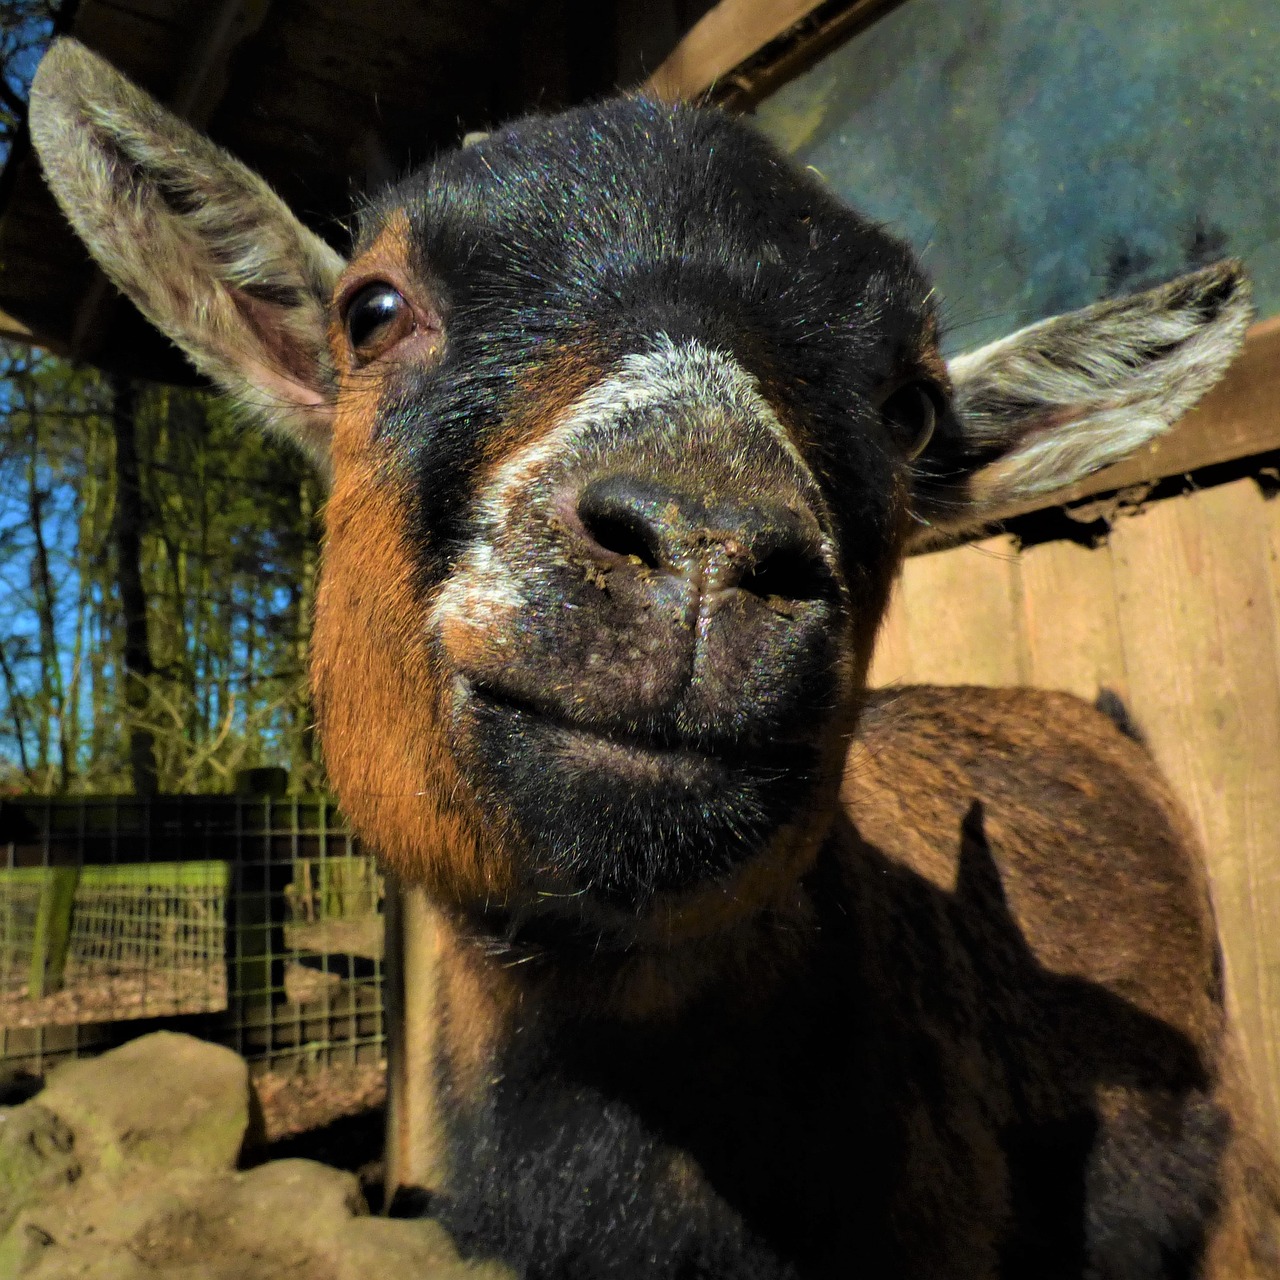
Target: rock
x,y
37,1158
123,1169
418,1248
286,1220
326,1214
163,1099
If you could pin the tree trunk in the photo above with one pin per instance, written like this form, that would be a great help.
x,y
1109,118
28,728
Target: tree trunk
x,y
46,610
305,754
15,712
133,599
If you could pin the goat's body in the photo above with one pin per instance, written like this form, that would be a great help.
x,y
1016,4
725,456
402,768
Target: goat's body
x,y
997,1048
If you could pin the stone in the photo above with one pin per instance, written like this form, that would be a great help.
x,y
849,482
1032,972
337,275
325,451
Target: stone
x,y
37,1158
163,1099
123,1168
285,1220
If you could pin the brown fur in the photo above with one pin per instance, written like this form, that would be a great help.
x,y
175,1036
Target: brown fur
x,y
924,755
1097,868
406,793
1120,901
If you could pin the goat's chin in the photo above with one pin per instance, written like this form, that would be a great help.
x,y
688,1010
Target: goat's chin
x,y
609,824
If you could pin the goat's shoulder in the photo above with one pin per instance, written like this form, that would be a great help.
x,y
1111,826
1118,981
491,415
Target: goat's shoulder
x,y
1080,834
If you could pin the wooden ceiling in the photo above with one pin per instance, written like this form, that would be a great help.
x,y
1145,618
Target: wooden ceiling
x,y
325,98
328,99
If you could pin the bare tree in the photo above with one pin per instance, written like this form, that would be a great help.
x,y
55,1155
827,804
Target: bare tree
x,y
129,523
25,28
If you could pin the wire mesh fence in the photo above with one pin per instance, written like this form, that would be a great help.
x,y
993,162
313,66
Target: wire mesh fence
x,y
142,940
253,922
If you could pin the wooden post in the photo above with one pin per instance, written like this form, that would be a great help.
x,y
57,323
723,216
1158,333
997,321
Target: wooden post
x,y
415,1157
257,906
53,931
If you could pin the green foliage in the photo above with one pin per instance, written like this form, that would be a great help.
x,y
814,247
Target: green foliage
x,y
228,570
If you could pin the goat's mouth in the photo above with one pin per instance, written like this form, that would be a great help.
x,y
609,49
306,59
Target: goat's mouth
x,y
647,751
615,813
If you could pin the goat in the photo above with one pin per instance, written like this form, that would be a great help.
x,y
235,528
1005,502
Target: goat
x,y
745,972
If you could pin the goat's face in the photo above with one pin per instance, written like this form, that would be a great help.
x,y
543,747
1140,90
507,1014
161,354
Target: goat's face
x,y
628,423
627,409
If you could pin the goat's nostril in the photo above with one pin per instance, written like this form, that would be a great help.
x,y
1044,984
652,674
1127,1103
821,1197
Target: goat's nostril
x,y
624,534
789,573
754,544
623,519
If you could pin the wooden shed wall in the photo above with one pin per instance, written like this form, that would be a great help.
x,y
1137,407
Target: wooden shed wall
x,y
1179,613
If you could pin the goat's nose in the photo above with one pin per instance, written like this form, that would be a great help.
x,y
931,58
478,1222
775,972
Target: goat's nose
x,y
762,545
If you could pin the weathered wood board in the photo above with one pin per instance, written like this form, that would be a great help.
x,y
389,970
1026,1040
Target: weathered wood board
x,y
1179,613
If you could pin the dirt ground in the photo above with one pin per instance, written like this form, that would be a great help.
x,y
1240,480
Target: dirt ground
x,y
295,1102
96,995
334,1115
103,994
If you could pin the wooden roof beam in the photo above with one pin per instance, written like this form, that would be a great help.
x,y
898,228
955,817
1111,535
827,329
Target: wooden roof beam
x,y
742,50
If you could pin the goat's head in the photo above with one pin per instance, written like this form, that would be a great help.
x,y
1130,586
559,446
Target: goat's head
x,y
628,424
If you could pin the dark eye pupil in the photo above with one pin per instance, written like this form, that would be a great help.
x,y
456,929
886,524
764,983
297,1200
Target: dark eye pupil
x,y
912,412
370,310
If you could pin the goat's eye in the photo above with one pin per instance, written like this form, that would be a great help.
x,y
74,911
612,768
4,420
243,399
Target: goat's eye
x,y
377,317
912,411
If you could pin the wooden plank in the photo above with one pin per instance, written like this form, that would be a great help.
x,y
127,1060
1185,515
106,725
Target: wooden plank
x,y
414,1154
14,330
1266,887
169,12
1237,419
395,1152
1070,618
720,52
964,615
891,661
1045,617
1196,599
1271,517
721,39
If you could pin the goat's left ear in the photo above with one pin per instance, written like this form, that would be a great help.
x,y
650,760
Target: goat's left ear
x,y
208,252
1039,410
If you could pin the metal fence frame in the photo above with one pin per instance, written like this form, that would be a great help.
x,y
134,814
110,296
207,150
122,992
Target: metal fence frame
x,y
294,870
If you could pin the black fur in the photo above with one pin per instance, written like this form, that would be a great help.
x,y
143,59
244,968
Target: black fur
x,y
562,233
1112,705
809,1103
565,239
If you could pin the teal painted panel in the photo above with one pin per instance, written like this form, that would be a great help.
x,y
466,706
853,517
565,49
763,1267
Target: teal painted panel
x,y
1042,155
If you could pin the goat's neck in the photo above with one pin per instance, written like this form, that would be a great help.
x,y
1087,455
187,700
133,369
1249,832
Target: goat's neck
x,y
517,978
542,1059
499,1002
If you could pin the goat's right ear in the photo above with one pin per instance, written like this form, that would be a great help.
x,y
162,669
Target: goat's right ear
x,y
1056,401
208,252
